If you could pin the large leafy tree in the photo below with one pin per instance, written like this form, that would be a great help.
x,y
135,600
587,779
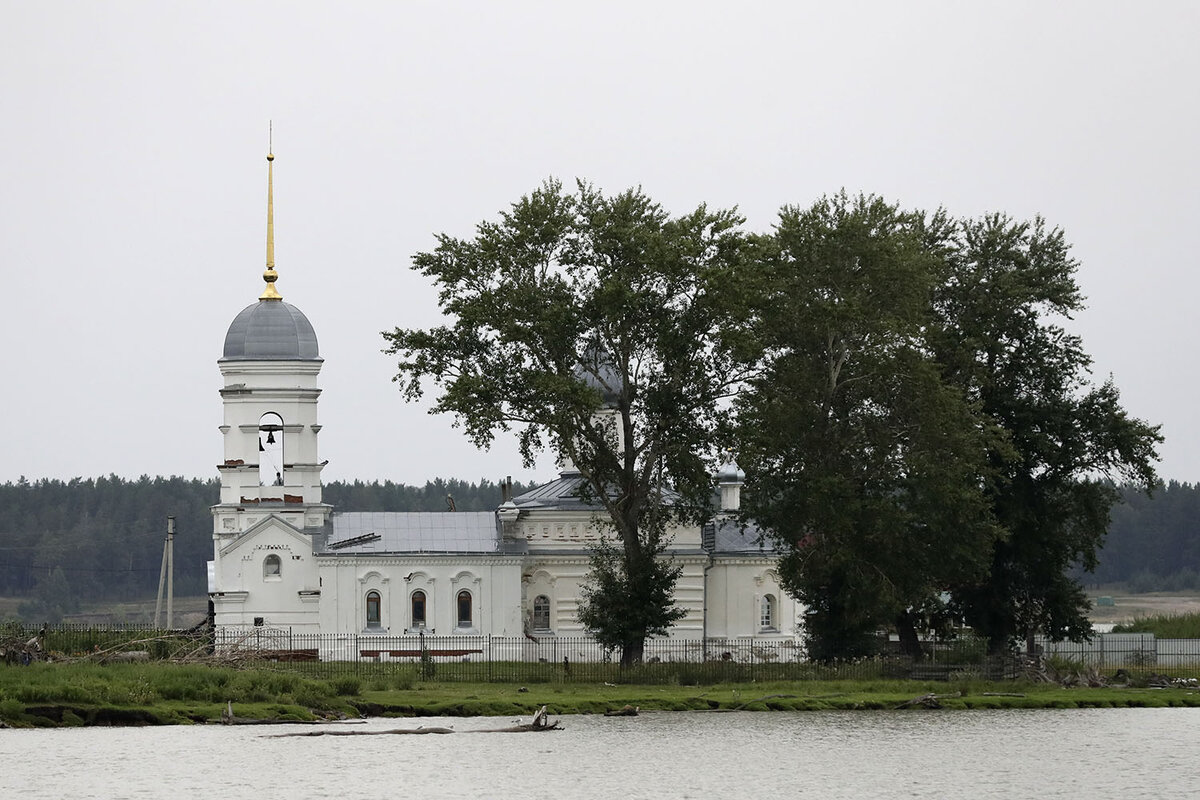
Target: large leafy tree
x,y
589,325
861,462
1051,487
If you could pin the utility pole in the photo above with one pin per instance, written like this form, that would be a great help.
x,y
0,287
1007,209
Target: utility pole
x,y
166,575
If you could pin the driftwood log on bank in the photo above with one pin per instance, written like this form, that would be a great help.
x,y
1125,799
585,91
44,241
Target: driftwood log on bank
x,y
926,701
624,711
541,722
364,733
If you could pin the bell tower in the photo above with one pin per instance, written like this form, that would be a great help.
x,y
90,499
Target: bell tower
x,y
269,369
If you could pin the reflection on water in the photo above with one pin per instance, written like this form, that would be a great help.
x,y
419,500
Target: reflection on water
x,y
1105,753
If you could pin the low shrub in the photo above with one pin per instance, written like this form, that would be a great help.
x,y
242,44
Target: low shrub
x,y
11,709
1165,626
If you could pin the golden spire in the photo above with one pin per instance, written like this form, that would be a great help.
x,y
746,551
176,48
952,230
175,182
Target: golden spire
x,y
270,276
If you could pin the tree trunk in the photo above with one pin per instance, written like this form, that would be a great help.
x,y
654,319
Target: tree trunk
x,y
910,644
631,652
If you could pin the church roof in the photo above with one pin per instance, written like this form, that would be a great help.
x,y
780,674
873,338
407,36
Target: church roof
x,y
565,493
271,330
599,373
729,536
561,493
398,532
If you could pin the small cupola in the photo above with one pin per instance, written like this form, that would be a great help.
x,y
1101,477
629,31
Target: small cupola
x,y
729,481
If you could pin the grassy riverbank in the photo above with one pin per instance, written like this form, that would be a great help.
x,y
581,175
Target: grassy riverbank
x,y
46,695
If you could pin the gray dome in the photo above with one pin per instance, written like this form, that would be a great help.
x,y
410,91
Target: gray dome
x,y
271,330
730,473
602,375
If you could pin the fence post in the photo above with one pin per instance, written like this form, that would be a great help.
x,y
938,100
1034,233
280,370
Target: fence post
x,y
489,657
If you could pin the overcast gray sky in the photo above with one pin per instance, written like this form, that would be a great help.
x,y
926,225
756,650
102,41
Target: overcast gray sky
x,y
133,179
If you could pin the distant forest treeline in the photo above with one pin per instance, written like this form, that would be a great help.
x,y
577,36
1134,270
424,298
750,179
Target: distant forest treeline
x,y
101,539
63,542
1153,542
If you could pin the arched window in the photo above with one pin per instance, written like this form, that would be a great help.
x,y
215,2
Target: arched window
x,y
417,601
541,613
766,614
464,609
272,568
373,610
270,449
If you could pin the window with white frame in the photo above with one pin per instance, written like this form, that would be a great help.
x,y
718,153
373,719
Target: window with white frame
x,y
374,617
417,607
272,568
541,613
767,613
464,608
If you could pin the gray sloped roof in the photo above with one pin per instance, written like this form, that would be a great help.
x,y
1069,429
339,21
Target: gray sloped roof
x,y
561,493
401,532
271,330
732,536
565,493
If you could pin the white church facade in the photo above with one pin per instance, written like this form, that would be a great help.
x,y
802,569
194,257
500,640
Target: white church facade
x,y
283,560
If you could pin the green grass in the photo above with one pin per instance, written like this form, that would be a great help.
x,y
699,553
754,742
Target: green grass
x,y
668,672
163,693
92,694
1165,626
498,700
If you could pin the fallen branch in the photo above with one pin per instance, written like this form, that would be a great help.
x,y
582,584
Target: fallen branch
x,y
539,723
625,711
363,733
926,701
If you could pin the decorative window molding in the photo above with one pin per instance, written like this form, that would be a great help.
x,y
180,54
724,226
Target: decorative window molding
x,y
465,577
767,576
540,576
272,568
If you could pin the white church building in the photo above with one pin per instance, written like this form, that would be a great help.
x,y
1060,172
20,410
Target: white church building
x,y
283,560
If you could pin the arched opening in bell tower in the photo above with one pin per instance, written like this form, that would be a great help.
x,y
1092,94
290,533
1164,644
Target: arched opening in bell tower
x,y
270,449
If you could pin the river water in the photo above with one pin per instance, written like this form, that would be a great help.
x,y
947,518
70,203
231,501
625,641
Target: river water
x,y
1103,753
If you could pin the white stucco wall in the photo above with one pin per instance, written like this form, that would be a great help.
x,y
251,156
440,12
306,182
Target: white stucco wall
x,y
244,591
494,583
736,588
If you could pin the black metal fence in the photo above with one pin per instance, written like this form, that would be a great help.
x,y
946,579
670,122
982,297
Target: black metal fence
x,y
71,640
397,660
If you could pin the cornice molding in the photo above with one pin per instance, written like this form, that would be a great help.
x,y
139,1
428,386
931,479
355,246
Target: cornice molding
x,y
415,560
